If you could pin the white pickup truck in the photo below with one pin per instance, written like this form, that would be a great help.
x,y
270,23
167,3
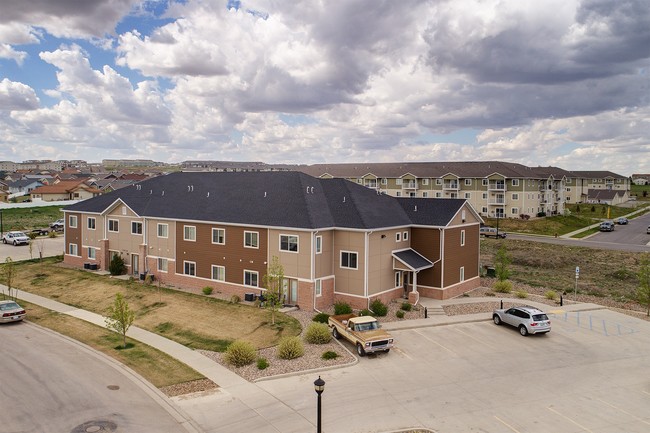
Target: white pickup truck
x,y
362,331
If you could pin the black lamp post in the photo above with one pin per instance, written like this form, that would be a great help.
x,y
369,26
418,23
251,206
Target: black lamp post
x,y
2,231
319,387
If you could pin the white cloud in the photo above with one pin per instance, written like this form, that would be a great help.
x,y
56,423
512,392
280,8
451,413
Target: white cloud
x,y
17,96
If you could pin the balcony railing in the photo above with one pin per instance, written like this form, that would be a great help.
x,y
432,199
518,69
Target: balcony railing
x,y
450,185
371,183
409,184
496,201
496,186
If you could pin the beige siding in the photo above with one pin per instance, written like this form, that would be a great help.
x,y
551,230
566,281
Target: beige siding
x,y
324,262
296,265
160,246
349,281
381,275
126,242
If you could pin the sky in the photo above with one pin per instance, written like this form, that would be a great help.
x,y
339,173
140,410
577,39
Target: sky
x,y
562,83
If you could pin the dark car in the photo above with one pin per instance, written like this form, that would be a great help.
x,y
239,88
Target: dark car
x,y
607,226
621,221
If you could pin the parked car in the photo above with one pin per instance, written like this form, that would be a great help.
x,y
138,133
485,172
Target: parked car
x,y
607,226
491,232
15,238
10,311
648,230
528,320
58,224
362,331
621,221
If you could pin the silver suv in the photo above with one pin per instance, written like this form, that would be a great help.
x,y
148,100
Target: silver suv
x,y
528,320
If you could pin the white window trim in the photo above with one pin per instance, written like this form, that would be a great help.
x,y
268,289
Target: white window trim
x,y
115,222
398,237
224,235
73,218
319,245
405,236
189,262
75,247
185,238
288,244
162,260
94,220
398,279
515,182
425,181
218,267
462,273
462,238
468,182
341,259
438,181
485,182
159,226
257,277
257,234
134,224
318,287
92,255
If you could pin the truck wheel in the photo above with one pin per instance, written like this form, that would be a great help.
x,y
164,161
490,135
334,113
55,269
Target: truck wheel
x,y
360,350
335,333
387,350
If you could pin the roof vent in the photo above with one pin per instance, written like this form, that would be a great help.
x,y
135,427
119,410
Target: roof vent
x,y
264,193
151,191
208,194
163,193
416,208
343,199
312,189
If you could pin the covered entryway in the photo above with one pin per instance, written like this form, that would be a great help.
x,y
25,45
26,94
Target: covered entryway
x,y
409,262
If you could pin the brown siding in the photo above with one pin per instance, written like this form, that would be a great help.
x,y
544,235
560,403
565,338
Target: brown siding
x,y
73,235
457,256
233,255
427,242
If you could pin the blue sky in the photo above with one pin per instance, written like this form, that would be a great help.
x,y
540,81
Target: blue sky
x,y
562,83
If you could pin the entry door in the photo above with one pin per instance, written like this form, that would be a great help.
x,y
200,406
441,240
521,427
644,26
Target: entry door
x,y
290,291
135,270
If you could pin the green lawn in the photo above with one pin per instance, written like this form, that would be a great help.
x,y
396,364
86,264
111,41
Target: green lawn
x,y
29,218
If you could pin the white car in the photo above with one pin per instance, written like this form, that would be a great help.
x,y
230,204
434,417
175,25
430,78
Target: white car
x,y
10,311
528,320
15,238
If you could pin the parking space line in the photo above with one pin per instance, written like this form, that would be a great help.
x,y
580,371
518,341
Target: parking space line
x,y
401,352
645,392
624,411
506,424
569,419
435,342
473,338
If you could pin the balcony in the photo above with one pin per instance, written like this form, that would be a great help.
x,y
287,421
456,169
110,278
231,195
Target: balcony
x,y
371,183
451,185
497,186
409,184
496,201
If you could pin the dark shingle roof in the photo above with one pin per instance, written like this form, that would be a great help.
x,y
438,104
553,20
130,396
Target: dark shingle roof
x,y
277,199
413,259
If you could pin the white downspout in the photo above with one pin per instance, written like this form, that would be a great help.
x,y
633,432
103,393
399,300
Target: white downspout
x,y
365,267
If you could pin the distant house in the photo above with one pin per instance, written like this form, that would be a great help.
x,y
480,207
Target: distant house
x,y
337,241
606,196
23,186
65,190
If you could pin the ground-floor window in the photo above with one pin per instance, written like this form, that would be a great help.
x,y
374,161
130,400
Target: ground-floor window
x,y
462,273
251,278
318,287
218,273
91,253
162,264
73,250
189,268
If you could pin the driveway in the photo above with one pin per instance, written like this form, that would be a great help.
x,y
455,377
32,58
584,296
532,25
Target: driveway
x,y
588,375
51,384
48,246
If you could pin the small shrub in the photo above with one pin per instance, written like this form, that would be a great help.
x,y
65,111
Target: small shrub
x,y
240,353
117,266
342,308
321,317
317,333
51,234
379,308
550,295
262,363
235,299
329,355
366,312
521,294
502,287
399,314
290,348
32,236
207,290
406,306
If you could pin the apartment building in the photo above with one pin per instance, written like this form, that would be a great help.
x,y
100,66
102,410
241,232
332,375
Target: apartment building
x,y
493,188
335,240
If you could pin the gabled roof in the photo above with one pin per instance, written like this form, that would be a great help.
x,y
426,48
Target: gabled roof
x,y
412,259
432,212
597,174
277,199
603,194
64,187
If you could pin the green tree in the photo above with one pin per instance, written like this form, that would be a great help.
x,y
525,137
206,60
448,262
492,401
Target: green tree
x,y
120,317
643,291
272,281
8,275
502,265
117,266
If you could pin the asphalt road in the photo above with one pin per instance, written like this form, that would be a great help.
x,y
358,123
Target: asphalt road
x,y
45,245
51,384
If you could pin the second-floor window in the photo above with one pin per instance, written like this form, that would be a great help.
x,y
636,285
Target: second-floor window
x,y
91,223
189,233
319,244
251,239
515,182
289,243
163,230
136,228
73,221
348,259
113,226
468,182
462,238
219,236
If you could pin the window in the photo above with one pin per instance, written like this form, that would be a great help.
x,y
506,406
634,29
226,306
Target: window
x,y
468,182
189,268
425,194
568,190
468,195
384,181
219,236
462,273
515,182
251,239
348,260
515,196
218,273
515,211
484,210
91,223
73,250
318,288
162,264
405,236
398,181
438,181
484,196
319,244
359,181
413,194
91,253
463,215
289,243
189,233
425,181
462,238
113,226
398,194
438,194
485,182
123,210
398,279
136,228
72,221
398,237
250,278
163,230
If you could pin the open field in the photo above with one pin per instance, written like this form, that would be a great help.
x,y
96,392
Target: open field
x,y
193,320
606,274
29,218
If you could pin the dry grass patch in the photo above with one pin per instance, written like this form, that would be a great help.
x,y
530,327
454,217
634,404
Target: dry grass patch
x,y
193,320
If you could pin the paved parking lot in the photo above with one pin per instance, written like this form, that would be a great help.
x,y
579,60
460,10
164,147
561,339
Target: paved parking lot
x,y
49,247
590,374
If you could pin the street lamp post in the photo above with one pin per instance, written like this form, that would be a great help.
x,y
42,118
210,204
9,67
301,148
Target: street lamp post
x,y
319,387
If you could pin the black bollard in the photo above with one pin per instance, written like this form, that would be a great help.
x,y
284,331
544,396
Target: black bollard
x,y
561,301
501,304
426,313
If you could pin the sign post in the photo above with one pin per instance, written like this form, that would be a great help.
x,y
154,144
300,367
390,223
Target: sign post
x,y
575,289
